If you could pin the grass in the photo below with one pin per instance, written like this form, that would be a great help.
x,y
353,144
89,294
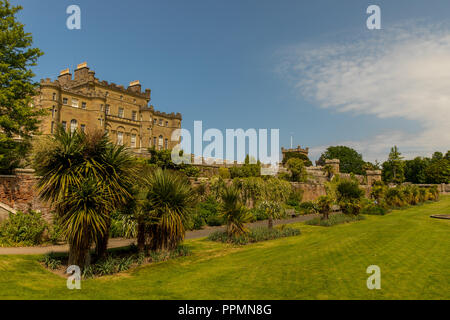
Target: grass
x,y
412,250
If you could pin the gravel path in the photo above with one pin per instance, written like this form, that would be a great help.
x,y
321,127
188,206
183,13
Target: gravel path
x,y
120,242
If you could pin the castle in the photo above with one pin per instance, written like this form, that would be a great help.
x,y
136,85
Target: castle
x,y
86,103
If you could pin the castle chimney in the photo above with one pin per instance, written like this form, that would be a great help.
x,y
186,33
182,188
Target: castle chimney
x,y
82,72
135,86
64,76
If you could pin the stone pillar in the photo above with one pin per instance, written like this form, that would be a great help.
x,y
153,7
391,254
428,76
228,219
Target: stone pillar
x,y
334,163
372,176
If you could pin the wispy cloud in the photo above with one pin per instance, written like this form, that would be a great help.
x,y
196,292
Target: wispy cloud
x,y
401,71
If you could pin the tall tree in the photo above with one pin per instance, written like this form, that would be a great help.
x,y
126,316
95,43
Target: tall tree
x,y
394,167
18,118
350,160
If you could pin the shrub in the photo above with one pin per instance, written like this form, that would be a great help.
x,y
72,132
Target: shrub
x,y
23,229
350,206
334,219
214,221
374,209
348,190
295,198
224,173
395,197
308,207
254,235
50,261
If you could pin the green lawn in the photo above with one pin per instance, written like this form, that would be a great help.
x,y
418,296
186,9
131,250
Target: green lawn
x,y
412,250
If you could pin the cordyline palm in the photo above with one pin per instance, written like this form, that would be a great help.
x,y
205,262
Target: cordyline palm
x,y
67,160
234,212
84,216
168,203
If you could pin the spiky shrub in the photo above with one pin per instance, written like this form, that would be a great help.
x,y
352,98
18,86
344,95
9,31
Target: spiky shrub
x,y
395,197
169,203
424,194
434,193
378,192
323,205
349,196
233,211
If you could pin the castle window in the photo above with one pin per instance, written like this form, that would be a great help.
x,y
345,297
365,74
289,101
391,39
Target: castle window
x,y
133,141
166,144
83,128
75,103
155,121
65,101
167,123
107,109
53,111
160,122
83,105
120,138
64,125
54,96
73,125
160,141
120,112
154,141
134,115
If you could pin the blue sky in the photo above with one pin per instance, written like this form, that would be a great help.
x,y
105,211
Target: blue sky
x,y
268,64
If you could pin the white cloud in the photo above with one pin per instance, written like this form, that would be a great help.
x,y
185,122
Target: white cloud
x,y
401,71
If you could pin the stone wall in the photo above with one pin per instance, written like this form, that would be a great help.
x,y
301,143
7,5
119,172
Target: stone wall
x,y
18,192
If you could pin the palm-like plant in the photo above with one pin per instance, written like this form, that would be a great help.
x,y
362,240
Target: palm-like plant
x,y
234,212
84,216
67,160
168,204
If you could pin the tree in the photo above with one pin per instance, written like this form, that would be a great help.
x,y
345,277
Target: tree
x,y
415,170
169,202
297,169
273,210
438,171
350,160
70,162
394,167
301,156
18,118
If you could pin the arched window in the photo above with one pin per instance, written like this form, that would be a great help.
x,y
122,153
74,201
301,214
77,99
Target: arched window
x,y
160,142
133,141
120,138
73,125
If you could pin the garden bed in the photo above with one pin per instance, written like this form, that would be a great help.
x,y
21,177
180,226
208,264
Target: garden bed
x,y
334,220
255,235
118,260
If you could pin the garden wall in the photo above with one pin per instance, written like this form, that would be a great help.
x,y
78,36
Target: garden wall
x,y
18,192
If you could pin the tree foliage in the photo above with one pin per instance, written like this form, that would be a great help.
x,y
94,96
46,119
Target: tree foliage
x,y
350,160
18,118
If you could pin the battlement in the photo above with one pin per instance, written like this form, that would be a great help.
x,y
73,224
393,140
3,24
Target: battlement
x,y
298,150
